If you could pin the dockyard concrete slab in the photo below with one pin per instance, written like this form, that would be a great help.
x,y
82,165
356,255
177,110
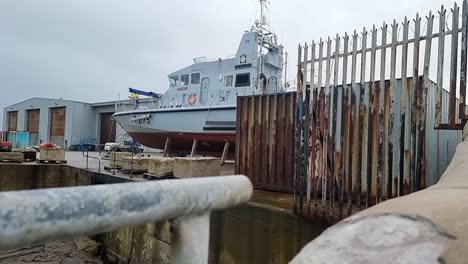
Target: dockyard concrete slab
x,y
117,158
161,166
196,167
135,163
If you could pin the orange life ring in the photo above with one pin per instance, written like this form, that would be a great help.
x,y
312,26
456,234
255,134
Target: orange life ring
x,y
192,99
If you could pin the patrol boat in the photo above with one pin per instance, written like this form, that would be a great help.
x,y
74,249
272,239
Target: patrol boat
x,y
200,103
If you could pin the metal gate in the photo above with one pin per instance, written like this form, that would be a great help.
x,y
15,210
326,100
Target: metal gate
x,y
368,131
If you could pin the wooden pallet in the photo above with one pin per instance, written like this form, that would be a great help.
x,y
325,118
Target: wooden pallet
x,y
52,161
126,171
150,176
11,161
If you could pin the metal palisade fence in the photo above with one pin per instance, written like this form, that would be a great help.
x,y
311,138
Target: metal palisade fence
x,y
379,112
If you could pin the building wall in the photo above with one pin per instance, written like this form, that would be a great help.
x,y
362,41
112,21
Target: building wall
x,y
79,118
82,120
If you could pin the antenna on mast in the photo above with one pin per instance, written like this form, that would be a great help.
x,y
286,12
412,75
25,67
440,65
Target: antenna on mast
x,y
263,23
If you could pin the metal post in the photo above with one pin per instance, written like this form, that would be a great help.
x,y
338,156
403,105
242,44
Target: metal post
x,y
166,147
113,167
190,239
225,151
31,217
131,165
87,156
99,159
194,148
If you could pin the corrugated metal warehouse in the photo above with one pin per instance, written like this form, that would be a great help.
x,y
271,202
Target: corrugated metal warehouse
x,y
65,122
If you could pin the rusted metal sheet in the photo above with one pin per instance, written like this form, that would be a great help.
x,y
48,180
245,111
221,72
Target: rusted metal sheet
x,y
377,137
265,134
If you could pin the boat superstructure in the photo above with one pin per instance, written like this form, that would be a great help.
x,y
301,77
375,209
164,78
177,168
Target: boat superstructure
x,y
200,103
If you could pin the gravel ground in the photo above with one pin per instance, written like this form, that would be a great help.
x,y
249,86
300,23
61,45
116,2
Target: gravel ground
x,y
79,251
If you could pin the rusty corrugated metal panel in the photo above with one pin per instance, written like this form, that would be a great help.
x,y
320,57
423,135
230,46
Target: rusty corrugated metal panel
x,y
265,134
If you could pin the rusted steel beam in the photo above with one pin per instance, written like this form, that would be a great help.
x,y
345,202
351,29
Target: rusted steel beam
x,y
345,124
372,160
265,130
453,66
297,187
237,168
440,66
414,87
258,139
363,122
313,130
421,152
327,171
383,126
334,134
320,121
463,61
311,127
354,120
393,127
305,127
405,115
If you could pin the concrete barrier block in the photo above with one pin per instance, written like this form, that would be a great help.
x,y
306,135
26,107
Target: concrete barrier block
x,y
52,154
161,166
118,157
136,163
11,156
196,167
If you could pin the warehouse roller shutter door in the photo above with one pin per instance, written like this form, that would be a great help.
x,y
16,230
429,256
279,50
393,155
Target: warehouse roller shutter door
x,y
32,126
57,126
107,128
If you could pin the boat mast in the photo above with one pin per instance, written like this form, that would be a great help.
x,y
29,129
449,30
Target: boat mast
x,y
266,37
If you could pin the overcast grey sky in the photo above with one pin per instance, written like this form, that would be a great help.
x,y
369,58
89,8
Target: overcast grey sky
x,y
92,50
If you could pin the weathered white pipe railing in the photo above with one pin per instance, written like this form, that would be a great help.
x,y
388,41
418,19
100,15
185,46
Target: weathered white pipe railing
x,y
33,217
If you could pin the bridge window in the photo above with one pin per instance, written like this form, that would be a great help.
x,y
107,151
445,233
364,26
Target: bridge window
x,y
228,79
195,78
243,80
184,79
173,80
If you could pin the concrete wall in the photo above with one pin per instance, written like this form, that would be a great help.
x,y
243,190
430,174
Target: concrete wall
x,y
83,120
